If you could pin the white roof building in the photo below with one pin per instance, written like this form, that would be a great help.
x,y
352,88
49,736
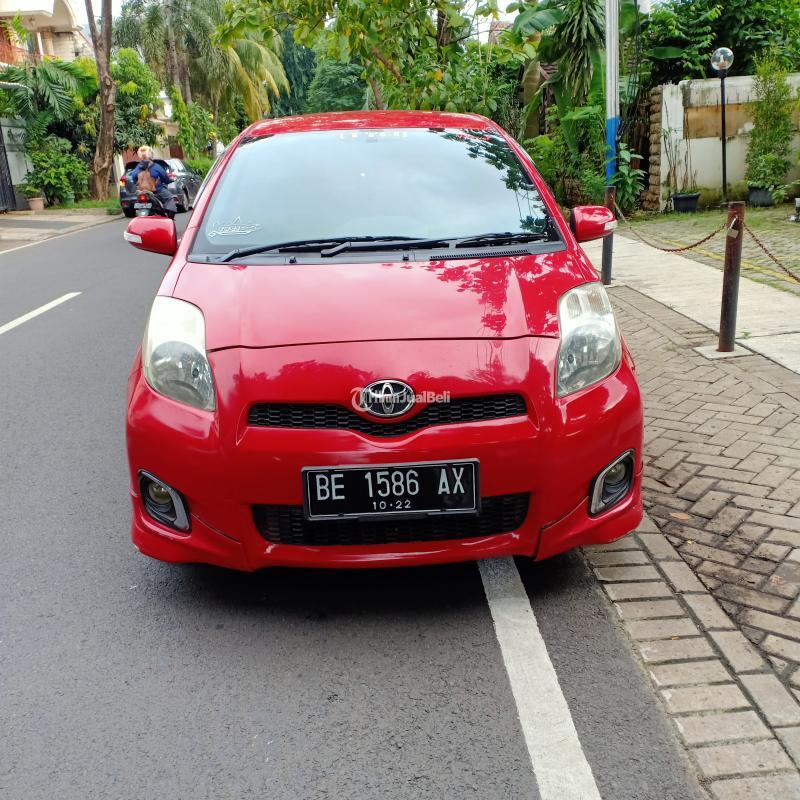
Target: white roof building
x,y
53,30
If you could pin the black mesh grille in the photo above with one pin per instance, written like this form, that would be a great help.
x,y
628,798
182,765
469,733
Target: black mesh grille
x,y
459,409
287,525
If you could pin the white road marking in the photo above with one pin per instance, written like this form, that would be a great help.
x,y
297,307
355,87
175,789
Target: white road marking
x,y
559,764
36,311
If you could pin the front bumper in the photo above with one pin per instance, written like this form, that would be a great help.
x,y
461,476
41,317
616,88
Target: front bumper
x,y
224,467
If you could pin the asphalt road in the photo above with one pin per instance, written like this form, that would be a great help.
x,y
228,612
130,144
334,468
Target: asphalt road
x,y
123,678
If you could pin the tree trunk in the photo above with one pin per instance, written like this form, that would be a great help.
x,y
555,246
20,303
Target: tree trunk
x,y
376,94
171,56
104,149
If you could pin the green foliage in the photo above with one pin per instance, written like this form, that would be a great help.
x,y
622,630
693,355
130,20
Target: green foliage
x,y
200,165
299,64
629,180
215,58
753,27
137,100
335,87
48,85
29,190
680,35
411,53
59,175
680,38
180,114
771,137
573,163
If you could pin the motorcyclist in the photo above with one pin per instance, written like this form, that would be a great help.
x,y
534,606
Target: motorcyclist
x,y
158,174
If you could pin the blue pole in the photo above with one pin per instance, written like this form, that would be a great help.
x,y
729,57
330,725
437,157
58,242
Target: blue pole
x,y
612,87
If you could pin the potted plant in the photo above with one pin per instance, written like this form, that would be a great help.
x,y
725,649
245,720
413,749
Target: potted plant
x,y
680,175
34,197
771,137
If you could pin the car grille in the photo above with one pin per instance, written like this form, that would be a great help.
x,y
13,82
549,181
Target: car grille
x,y
459,409
288,525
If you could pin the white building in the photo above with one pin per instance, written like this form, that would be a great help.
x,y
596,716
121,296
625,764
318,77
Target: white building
x,y
53,30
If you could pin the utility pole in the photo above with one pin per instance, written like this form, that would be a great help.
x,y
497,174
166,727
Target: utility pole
x,y
612,122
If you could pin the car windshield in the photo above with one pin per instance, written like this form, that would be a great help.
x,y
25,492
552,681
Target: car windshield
x,y
402,183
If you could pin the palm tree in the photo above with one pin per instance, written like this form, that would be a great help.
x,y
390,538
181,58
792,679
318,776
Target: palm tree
x,y
48,86
180,40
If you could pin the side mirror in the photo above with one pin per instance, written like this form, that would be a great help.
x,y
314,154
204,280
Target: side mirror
x,y
156,234
592,222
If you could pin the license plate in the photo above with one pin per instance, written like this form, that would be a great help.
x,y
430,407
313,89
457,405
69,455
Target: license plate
x,y
142,205
441,487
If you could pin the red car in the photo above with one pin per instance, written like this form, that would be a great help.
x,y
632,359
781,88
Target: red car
x,y
378,343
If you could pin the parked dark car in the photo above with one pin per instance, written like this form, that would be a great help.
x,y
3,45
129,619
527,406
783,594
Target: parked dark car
x,y
184,187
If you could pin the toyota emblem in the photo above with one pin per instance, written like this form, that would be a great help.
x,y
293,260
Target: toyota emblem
x,y
386,398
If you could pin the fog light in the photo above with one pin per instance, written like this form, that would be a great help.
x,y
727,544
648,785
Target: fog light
x,y
163,503
159,493
612,485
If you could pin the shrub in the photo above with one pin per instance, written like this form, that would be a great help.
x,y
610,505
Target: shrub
x,y
771,137
60,176
201,165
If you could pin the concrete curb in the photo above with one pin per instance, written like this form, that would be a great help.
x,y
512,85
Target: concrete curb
x,y
739,724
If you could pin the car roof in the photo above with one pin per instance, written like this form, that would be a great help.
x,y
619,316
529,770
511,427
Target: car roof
x,y
350,120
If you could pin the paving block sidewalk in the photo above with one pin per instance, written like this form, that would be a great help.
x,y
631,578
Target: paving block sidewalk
x,y
722,474
722,488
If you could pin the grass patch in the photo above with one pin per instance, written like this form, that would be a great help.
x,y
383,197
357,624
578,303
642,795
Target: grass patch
x,y
112,202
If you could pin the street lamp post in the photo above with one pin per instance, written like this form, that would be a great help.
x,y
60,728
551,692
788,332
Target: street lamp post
x,y
721,62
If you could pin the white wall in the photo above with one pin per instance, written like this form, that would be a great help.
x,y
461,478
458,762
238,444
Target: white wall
x,y
706,152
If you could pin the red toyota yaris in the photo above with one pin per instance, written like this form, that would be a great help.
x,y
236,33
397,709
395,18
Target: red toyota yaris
x,y
378,343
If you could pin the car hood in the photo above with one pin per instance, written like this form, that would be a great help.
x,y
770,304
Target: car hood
x,y
269,305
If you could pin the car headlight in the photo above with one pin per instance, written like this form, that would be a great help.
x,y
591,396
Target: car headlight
x,y
590,345
174,353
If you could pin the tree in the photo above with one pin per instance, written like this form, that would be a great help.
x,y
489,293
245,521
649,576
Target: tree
x,y
299,64
137,98
771,137
412,53
104,150
181,40
335,87
50,86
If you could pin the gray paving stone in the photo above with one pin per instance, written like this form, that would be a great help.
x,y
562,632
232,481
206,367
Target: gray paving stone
x,y
637,590
688,673
709,613
656,652
791,741
739,653
711,554
776,521
681,577
717,697
645,573
661,628
650,609
780,536
618,558
774,787
783,648
726,727
773,698
741,758
659,548
771,623
753,598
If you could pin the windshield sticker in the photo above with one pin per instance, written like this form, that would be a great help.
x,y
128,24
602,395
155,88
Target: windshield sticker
x,y
235,228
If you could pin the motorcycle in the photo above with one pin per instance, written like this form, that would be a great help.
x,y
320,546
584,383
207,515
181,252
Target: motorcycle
x,y
149,204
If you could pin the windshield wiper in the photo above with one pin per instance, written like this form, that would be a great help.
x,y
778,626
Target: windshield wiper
x,y
277,247
503,238
328,247
384,243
